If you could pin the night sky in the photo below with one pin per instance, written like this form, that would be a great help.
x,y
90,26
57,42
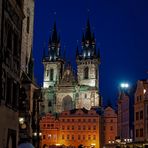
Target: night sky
x,y
121,31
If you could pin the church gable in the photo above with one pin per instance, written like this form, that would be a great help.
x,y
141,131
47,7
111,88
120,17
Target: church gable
x,y
68,77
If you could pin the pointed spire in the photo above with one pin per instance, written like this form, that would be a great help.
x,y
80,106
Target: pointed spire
x,y
98,55
54,34
83,38
44,51
77,52
88,31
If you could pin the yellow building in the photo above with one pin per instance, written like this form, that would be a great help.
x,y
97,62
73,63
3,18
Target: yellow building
x,y
71,128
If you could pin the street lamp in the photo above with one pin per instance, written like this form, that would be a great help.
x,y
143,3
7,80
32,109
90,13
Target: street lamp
x,y
36,127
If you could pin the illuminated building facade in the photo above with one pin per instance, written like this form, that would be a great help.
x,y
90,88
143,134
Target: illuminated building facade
x,y
109,125
62,88
71,128
11,17
141,112
126,115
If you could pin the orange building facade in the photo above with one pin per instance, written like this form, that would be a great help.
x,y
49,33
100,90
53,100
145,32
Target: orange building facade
x,y
110,125
71,129
141,112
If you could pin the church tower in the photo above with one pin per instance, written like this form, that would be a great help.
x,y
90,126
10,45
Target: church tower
x,y
53,69
88,61
53,64
88,71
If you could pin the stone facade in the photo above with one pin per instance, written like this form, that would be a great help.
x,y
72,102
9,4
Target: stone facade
x,y
27,34
11,36
62,88
71,129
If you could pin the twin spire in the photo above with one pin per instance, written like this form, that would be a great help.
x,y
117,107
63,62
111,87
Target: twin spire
x,y
88,44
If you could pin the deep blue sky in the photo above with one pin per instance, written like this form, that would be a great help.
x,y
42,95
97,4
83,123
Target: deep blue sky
x,y
121,31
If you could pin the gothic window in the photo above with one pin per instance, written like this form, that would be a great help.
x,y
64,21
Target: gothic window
x,y
86,72
49,103
28,24
51,74
67,103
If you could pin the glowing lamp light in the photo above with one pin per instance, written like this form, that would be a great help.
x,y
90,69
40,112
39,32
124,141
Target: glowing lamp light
x,y
93,144
58,144
124,85
21,120
144,91
40,134
35,134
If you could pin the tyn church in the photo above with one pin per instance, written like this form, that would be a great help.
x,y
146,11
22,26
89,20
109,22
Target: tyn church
x,y
62,88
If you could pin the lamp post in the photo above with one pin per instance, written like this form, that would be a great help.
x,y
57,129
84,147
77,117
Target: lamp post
x,y
36,127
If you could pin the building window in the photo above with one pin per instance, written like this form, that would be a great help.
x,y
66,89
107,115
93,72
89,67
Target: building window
x,y
83,137
9,39
84,127
89,137
63,127
141,114
94,120
94,137
141,132
72,120
86,72
62,136
72,137
49,136
72,127
137,132
51,74
111,128
104,128
44,136
28,24
67,137
47,73
89,128
137,115
48,126
44,125
79,127
83,120
94,127
15,44
9,91
67,127
49,104
89,120
79,120
63,120
79,137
